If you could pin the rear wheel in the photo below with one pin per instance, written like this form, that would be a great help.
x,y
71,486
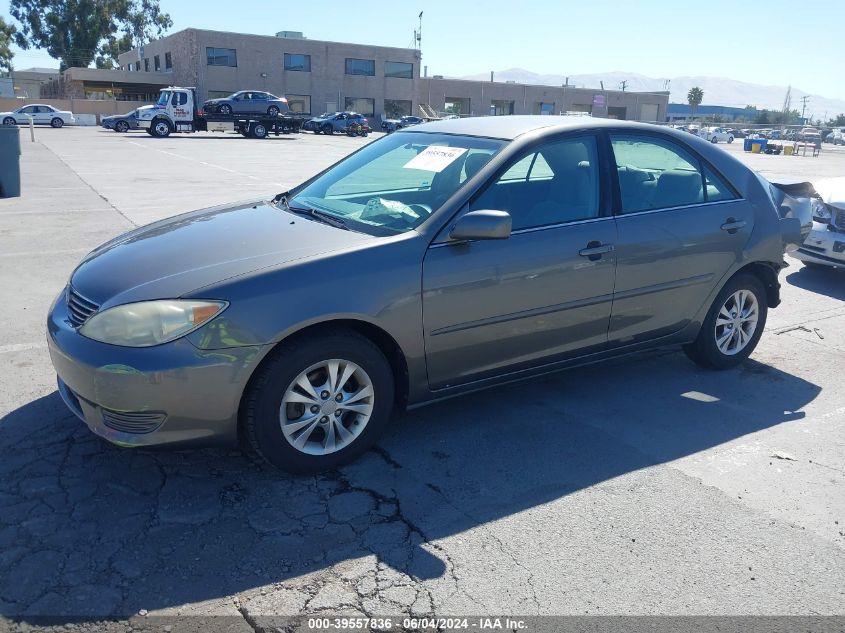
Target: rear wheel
x,y
259,130
9,121
57,122
121,126
318,403
730,139
733,325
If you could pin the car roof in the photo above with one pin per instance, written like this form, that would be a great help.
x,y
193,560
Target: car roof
x,y
512,126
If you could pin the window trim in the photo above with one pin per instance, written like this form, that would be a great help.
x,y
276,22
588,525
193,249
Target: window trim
x,y
221,48
387,61
358,59
703,163
285,58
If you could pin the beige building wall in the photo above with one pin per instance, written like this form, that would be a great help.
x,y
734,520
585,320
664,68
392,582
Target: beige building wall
x,y
260,66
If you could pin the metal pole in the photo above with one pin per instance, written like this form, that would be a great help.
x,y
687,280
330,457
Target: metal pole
x,y
31,129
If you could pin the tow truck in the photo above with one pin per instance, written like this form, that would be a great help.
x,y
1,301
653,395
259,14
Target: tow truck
x,y
177,110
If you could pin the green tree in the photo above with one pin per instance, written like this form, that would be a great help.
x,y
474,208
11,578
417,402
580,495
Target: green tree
x,y
7,32
838,121
763,117
78,32
694,97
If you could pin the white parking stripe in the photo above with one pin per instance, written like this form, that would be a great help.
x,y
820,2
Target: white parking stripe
x,y
21,347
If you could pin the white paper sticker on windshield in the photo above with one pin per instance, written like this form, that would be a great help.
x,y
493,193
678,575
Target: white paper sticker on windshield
x,y
435,158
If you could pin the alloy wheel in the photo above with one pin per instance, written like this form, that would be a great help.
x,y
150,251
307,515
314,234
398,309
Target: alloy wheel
x,y
326,407
736,322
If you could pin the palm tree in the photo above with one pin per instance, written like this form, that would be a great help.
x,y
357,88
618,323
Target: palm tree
x,y
694,98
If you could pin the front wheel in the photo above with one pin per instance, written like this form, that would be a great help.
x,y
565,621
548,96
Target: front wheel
x,y
273,111
161,128
318,403
225,109
9,121
57,122
328,129
733,326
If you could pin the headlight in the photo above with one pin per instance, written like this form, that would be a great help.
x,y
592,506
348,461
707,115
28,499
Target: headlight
x,y
820,211
150,323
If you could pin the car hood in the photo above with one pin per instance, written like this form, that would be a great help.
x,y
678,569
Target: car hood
x,y
832,191
176,256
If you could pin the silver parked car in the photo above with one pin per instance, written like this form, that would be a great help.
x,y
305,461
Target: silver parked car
x,y
39,114
439,259
248,102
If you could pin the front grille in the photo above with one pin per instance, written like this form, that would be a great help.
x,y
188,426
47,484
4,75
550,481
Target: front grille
x,y
132,422
79,309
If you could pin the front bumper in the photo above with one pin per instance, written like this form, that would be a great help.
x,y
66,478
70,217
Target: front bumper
x,y
169,394
822,246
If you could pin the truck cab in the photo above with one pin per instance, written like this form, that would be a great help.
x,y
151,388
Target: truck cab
x,y
175,111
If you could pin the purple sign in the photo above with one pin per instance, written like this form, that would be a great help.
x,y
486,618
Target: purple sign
x,y
599,101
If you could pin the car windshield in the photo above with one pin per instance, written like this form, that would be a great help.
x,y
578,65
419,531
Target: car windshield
x,y
393,185
163,98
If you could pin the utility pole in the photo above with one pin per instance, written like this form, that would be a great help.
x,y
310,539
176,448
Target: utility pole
x,y
623,85
804,101
419,33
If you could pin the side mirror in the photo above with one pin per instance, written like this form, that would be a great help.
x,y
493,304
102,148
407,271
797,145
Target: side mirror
x,y
482,225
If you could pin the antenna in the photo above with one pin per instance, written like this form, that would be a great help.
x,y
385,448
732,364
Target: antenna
x,y
419,33
623,85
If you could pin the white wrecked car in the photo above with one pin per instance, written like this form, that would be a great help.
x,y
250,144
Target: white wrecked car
x,y
825,245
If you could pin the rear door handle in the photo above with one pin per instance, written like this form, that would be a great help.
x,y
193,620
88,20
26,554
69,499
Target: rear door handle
x,y
595,250
733,225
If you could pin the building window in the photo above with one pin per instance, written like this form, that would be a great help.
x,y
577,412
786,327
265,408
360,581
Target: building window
x,y
146,64
137,66
157,63
457,105
298,62
394,108
544,107
360,67
360,105
221,56
168,62
402,70
299,103
500,107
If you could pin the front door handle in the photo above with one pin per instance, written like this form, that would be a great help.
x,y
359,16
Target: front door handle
x,y
732,225
595,250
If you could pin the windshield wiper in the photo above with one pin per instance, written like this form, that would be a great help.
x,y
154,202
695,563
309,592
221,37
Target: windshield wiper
x,y
325,218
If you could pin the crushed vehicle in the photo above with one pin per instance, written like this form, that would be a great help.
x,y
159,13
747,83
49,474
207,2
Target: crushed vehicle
x,y
825,245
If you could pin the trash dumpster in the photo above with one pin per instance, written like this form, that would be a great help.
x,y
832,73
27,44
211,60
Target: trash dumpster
x,y
10,161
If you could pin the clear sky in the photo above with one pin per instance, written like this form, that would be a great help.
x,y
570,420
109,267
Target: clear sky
x,y
719,38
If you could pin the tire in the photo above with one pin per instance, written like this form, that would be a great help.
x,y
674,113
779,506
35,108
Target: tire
x,y
121,126
225,109
327,129
273,111
160,128
9,121
259,130
714,140
730,139
57,122
317,130
149,131
705,351
263,407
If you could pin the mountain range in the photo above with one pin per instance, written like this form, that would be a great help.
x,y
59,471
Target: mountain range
x,y
717,90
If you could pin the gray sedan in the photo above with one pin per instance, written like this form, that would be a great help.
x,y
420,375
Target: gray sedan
x,y
441,259
248,102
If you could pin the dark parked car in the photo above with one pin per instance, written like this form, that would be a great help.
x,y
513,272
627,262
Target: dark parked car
x,y
440,259
329,123
247,102
122,122
391,125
